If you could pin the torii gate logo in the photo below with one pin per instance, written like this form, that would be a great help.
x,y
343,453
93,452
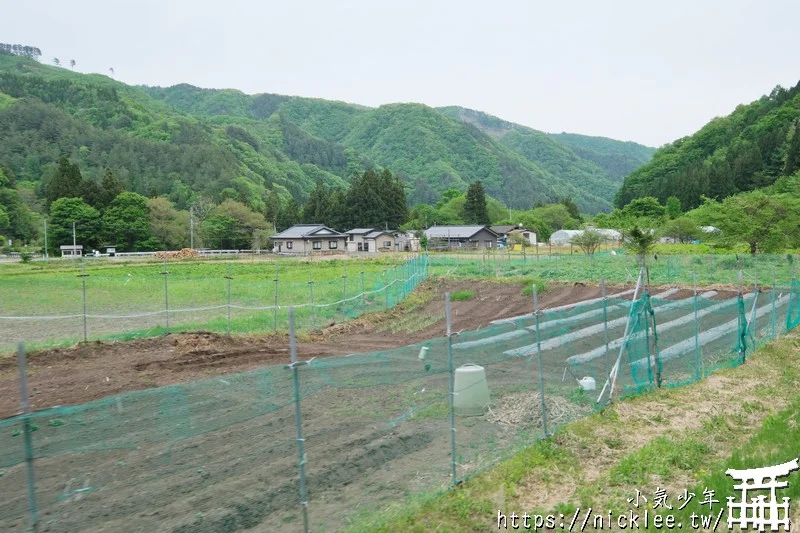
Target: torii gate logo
x,y
758,512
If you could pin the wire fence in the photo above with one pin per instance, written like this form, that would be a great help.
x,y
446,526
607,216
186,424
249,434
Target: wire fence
x,y
323,444
618,267
146,301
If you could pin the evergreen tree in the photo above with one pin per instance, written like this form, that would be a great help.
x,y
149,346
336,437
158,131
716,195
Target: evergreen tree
x,y
90,193
317,207
338,216
395,199
475,211
288,215
110,186
65,183
365,202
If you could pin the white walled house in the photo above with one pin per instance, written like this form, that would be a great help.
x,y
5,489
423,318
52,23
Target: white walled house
x,y
309,239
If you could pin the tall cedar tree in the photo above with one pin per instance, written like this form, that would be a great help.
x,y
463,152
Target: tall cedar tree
x,y
110,186
65,183
365,201
475,211
395,199
317,207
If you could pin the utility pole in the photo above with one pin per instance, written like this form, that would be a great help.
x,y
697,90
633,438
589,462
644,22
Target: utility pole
x,y
74,241
191,227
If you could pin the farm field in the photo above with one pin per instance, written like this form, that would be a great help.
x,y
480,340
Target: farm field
x,y
43,304
216,448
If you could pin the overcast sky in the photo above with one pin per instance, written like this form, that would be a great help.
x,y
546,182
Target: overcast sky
x,y
639,70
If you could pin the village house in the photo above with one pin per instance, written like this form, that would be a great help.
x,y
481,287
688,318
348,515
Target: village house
x,y
307,239
356,239
376,240
460,238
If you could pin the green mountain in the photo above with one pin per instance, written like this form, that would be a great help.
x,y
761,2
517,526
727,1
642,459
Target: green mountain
x,y
594,164
184,141
618,158
746,150
432,149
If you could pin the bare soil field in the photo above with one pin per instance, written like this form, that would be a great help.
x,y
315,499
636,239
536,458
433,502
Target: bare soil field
x,y
91,371
219,454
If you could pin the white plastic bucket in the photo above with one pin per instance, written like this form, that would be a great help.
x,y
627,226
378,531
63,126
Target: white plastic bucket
x,y
471,390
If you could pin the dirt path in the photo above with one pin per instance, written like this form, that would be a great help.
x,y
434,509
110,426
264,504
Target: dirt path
x,y
88,372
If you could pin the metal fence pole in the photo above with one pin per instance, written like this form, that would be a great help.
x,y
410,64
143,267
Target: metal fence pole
x,y
27,437
311,293
385,291
363,296
165,273
228,277
298,417
697,358
451,385
774,308
396,286
83,276
275,300
539,358
344,285
605,319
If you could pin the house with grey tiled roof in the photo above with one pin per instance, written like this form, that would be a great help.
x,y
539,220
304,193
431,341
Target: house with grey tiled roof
x,y
309,239
375,240
461,238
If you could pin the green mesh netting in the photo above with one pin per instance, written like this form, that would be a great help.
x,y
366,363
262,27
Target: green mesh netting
x,y
221,454
141,301
793,314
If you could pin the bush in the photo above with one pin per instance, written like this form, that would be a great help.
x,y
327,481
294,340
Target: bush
x,y
26,257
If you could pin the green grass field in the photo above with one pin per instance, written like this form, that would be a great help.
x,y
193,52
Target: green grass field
x,y
129,299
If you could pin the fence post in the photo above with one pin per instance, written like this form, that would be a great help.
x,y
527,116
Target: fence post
x,y
363,296
774,308
451,385
344,285
228,277
27,438
83,276
275,301
298,418
696,331
605,319
539,358
165,273
311,292
385,291
742,329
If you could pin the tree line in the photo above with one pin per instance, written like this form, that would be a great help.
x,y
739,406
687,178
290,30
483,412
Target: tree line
x,y
31,52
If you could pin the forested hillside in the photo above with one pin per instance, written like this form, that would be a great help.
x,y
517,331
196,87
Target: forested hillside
x,y
232,157
746,150
595,164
